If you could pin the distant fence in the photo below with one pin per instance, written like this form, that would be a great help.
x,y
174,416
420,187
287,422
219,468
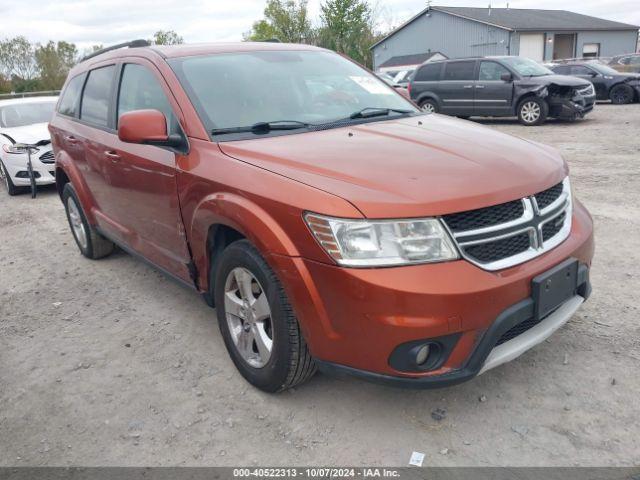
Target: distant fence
x,y
5,96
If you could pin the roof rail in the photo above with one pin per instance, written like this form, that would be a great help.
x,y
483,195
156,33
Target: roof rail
x,y
131,44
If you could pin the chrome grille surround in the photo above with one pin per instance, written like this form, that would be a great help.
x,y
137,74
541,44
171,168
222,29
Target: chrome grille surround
x,y
531,222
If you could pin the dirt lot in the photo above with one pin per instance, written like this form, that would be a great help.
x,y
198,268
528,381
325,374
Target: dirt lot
x,y
111,363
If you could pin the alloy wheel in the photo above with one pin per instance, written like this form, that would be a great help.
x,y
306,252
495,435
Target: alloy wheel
x,y
77,225
248,317
620,96
428,108
530,112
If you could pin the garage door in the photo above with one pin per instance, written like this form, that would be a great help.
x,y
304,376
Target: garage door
x,y
532,46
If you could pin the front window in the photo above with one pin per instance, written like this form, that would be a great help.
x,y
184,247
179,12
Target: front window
x,y
527,67
237,90
21,114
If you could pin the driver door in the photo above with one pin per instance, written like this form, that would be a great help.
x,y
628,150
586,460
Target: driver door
x,y
142,178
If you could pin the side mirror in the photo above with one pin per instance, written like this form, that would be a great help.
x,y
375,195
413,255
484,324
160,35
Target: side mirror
x,y
506,77
146,127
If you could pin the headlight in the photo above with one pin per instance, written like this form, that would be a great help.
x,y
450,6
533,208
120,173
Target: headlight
x,y
17,149
369,243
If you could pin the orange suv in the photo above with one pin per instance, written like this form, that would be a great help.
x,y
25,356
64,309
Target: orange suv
x,y
332,224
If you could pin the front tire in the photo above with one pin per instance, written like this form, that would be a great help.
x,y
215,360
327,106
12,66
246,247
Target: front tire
x,y
621,94
257,323
12,190
532,111
91,244
429,106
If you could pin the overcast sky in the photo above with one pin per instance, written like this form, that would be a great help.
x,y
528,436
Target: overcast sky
x,y
90,22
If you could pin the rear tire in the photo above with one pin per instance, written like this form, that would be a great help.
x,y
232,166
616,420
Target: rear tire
x,y
257,323
532,111
429,106
12,190
91,244
621,94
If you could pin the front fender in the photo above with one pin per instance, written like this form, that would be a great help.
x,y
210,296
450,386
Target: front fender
x,y
241,214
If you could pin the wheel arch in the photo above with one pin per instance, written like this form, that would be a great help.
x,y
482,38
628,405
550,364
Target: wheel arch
x,y
223,218
67,172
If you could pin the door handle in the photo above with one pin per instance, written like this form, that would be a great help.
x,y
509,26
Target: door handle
x,y
479,86
71,139
115,158
468,86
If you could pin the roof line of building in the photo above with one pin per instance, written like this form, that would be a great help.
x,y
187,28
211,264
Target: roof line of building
x,y
477,20
426,10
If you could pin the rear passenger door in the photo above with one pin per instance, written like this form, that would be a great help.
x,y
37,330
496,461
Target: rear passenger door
x,y
494,96
456,89
142,178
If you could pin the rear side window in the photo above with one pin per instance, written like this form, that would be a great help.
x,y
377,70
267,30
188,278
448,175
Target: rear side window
x,y
562,70
459,70
428,73
140,90
70,100
97,95
491,71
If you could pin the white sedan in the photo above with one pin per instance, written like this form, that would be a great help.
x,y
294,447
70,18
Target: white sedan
x,y
24,121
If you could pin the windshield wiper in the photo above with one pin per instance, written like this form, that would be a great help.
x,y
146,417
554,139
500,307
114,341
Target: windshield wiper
x,y
369,112
263,127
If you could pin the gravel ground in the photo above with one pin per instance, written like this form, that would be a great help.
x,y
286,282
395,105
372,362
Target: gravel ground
x,y
110,363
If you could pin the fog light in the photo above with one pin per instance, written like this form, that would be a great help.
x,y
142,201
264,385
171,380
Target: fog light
x,y
422,355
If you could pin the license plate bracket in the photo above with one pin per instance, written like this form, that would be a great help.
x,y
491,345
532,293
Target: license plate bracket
x,y
554,287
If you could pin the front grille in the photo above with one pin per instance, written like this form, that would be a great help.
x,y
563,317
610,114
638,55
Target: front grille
x,y
552,227
484,217
548,196
518,329
510,233
47,157
499,249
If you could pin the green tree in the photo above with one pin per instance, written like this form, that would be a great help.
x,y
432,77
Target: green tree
x,y
167,37
17,59
347,26
284,20
54,60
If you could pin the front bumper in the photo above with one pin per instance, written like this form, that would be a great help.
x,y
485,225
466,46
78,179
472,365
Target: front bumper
x,y
16,166
570,109
486,355
354,319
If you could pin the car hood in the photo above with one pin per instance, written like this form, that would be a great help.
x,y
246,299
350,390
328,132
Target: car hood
x,y
562,80
409,167
28,133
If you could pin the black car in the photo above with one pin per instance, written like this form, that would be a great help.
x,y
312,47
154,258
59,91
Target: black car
x,y
609,83
500,87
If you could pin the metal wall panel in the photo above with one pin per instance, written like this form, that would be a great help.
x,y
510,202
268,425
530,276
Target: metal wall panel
x,y
440,32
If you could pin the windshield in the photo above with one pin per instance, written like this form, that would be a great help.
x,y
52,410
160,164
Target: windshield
x,y
603,69
527,67
311,87
21,114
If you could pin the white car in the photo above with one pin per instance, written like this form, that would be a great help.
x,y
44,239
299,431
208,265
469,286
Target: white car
x,y
25,120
